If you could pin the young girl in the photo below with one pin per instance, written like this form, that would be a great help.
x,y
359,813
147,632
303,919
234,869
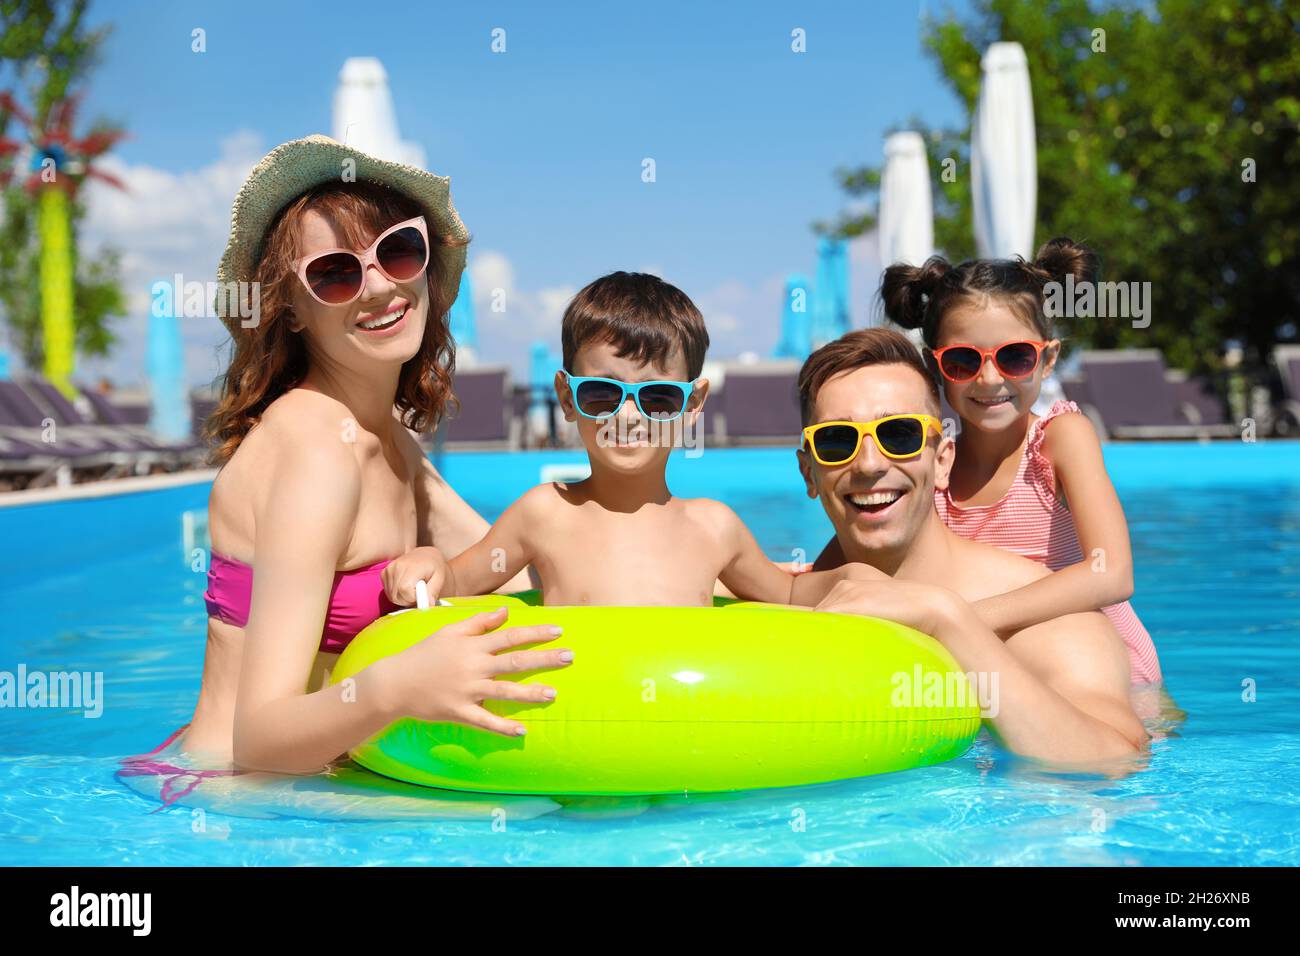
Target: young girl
x,y
1016,483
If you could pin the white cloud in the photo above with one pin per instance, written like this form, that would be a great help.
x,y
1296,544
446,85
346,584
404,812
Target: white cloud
x,y
510,318
740,317
168,222
519,312
162,224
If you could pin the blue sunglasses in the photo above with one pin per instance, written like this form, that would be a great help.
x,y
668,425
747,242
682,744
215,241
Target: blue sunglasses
x,y
599,398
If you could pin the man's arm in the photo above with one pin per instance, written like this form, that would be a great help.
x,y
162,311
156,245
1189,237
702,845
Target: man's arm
x,y
812,587
1078,714
832,556
1083,659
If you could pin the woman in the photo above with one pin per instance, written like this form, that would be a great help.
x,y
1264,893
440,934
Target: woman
x,y
355,262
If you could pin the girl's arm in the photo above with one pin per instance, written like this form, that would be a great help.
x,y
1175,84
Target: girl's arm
x,y
1105,575
303,526
448,522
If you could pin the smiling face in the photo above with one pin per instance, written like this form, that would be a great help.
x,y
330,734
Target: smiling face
x,y
385,324
990,401
626,442
876,503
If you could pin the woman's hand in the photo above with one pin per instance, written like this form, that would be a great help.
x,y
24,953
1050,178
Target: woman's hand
x,y
421,564
925,607
448,675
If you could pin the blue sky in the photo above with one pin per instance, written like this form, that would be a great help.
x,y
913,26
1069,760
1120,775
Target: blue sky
x,y
544,143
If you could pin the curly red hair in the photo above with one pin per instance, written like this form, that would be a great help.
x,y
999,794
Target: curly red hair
x,y
269,359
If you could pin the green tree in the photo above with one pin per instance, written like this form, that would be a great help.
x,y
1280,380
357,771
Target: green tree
x,y
1144,152
48,47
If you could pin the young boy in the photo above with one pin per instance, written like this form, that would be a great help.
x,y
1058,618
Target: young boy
x,y
633,352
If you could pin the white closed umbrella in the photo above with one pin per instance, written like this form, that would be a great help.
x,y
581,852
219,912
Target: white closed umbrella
x,y
1004,168
1004,160
364,116
905,224
906,221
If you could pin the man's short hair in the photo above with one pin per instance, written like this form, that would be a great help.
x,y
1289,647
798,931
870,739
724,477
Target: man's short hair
x,y
859,349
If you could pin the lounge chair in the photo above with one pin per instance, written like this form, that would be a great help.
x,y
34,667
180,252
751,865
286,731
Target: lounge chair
x,y
45,463
139,449
521,401
1075,388
482,421
1287,360
26,414
758,404
26,450
129,418
1130,394
41,464
52,403
201,406
108,412
1197,399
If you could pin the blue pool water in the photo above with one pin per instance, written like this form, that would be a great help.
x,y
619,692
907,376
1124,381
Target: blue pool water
x,y
105,585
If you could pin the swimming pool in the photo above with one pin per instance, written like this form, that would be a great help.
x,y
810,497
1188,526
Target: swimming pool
x,y
104,585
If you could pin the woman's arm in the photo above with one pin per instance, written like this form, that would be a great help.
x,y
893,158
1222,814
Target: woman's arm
x,y
1105,575
449,523
1029,715
303,527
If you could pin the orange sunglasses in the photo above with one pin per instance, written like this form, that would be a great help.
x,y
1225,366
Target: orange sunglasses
x,y
962,363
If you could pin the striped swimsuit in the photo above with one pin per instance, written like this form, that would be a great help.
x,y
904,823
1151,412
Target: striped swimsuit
x,y
1032,521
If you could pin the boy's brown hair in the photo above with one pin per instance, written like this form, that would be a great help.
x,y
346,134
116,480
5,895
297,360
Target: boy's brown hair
x,y
859,349
643,316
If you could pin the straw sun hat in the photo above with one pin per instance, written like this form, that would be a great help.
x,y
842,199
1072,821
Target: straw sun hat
x,y
292,168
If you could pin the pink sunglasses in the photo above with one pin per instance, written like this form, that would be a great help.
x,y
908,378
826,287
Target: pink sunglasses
x,y
337,276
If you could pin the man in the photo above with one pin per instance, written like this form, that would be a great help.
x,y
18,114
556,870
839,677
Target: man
x,y
1064,684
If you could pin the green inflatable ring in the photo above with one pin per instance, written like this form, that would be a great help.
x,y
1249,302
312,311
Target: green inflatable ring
x,y
685,699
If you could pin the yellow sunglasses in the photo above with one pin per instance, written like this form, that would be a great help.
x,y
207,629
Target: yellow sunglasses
x,y
897,436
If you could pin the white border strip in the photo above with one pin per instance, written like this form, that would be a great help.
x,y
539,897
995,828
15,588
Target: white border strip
x,y
104,489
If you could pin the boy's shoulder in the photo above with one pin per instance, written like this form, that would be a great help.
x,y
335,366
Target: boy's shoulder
x,y
710,511
546,495
535,511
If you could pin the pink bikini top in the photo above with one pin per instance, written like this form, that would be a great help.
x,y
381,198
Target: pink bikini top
x,y
356,599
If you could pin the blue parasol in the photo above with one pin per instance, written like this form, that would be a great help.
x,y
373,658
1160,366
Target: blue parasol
x,y
796,323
